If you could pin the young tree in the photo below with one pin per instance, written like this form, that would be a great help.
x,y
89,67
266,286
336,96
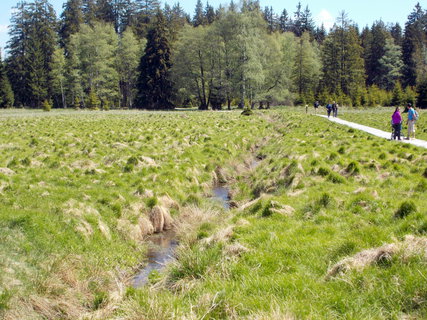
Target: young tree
x,y
129,53
58,74
390,65
154,85
306,70
95,51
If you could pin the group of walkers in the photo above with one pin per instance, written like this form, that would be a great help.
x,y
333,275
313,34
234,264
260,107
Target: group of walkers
x,y
396,122
330,108
396,119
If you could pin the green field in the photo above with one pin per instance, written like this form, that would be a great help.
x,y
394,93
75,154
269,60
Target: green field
x,y
331,223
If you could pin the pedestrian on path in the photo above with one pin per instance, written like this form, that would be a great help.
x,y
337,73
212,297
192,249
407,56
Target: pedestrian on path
x,y
335,109
329,109
316,105
412,117
396,122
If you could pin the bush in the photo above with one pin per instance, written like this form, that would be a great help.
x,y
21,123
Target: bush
x,y
46,106
405,208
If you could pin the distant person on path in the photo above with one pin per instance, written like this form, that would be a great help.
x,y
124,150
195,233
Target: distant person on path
x,y
396,122
329,109
412,117
316,105
334,109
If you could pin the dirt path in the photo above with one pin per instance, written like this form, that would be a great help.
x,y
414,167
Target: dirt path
x,y
375,132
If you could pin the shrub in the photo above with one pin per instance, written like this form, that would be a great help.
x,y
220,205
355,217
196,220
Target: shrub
x,y
405,208
46,106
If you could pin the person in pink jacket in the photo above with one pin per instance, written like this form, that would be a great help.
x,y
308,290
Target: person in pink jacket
x,y
396,122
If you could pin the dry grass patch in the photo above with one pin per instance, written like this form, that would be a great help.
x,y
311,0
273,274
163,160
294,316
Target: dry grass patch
x,y
409,247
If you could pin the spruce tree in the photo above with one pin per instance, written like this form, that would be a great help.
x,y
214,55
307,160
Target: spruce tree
x,y
199,17
154,85
415,39
71,19
6,93
31,48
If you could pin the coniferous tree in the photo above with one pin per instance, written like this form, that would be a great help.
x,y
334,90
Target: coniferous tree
x,y
396,33
199,17
307,23
284,21
154,85
390,65
105,12
397,95
6,93
297,26
89,11
374,52
209,14
17,47
145,13
343,66
71,19
422,93
31,49
413,43
320,34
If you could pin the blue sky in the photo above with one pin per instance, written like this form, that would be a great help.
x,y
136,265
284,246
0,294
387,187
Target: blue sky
x,y
363,12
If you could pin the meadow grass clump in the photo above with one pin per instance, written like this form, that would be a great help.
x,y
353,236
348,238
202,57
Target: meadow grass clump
x,y
335,177
353,168
425,173
405,209
322,171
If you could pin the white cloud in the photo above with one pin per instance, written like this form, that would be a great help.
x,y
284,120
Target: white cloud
x,y
326,18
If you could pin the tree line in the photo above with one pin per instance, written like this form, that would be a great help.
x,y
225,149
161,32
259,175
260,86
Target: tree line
x,y
135,54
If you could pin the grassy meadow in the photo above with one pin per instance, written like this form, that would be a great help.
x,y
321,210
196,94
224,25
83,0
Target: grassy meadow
x,y
330,223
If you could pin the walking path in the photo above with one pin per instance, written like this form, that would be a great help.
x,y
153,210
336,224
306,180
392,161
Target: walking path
x,y
375,132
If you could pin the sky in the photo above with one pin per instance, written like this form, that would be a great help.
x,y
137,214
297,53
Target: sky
x,y
362,12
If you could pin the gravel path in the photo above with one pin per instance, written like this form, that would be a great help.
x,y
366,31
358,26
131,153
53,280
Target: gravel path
x,y
375,132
